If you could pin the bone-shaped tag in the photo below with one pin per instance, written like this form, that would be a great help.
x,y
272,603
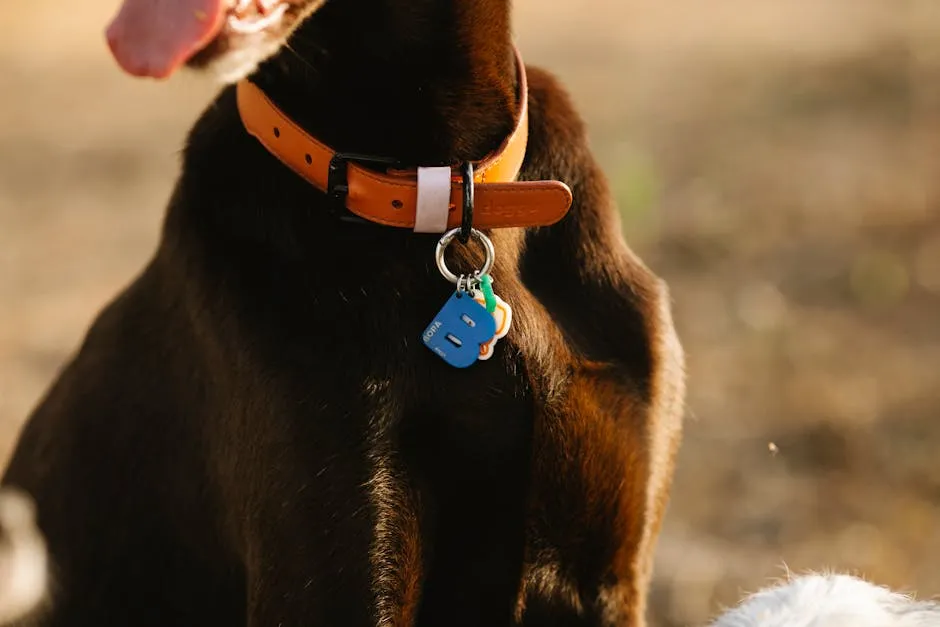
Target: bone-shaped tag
x,y
502,315
459,330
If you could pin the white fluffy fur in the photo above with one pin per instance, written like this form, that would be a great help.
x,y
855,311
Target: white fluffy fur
x,y
235,65
23,558
242,60
830,600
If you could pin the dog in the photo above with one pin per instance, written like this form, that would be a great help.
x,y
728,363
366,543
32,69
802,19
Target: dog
x,y
830,600
266,426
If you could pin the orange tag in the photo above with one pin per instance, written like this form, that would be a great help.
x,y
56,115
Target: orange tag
x,y
503,317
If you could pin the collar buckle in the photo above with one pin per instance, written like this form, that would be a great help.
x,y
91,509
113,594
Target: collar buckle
x,y
337,183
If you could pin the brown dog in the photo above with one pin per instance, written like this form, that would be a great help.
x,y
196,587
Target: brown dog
x,y
253,433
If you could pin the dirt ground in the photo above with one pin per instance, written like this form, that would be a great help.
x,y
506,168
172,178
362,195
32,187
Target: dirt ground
x,y
777,161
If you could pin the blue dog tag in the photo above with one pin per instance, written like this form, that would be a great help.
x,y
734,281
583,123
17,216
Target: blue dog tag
x,y
459,329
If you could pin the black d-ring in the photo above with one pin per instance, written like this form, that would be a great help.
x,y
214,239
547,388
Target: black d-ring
x,y
466,220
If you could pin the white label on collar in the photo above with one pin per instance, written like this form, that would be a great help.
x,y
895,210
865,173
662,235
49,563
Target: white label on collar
x,y
433,200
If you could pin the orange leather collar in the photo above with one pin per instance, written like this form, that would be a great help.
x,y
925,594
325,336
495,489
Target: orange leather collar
x,y
390,197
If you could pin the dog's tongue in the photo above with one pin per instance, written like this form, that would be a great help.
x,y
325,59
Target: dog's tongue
x,y
155,37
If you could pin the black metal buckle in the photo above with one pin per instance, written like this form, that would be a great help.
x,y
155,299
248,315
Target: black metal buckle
x,y
337,182
466,218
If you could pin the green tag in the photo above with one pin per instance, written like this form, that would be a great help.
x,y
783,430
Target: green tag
x,y
486,286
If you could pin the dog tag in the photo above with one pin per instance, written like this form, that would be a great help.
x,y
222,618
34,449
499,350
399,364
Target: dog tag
x,y
501,311
459,330
502,317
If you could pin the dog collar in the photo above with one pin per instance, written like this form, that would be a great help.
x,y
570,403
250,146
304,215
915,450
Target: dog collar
x,y
391,197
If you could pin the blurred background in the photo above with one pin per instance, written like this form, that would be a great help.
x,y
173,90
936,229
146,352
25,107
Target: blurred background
x,y
777,161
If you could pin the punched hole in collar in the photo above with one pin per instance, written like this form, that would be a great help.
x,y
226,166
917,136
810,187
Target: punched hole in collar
x,y
397,204
277,132
308,159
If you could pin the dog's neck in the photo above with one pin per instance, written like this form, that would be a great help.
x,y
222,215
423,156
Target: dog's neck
x,y
423,81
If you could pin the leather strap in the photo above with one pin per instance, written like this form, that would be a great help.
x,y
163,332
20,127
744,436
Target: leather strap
x,y
390,198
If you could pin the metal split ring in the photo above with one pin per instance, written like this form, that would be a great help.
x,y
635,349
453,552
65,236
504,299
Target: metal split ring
x,y
465,283
445,242
469,283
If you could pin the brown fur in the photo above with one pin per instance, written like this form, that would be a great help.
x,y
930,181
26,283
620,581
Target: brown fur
x,y
252,431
